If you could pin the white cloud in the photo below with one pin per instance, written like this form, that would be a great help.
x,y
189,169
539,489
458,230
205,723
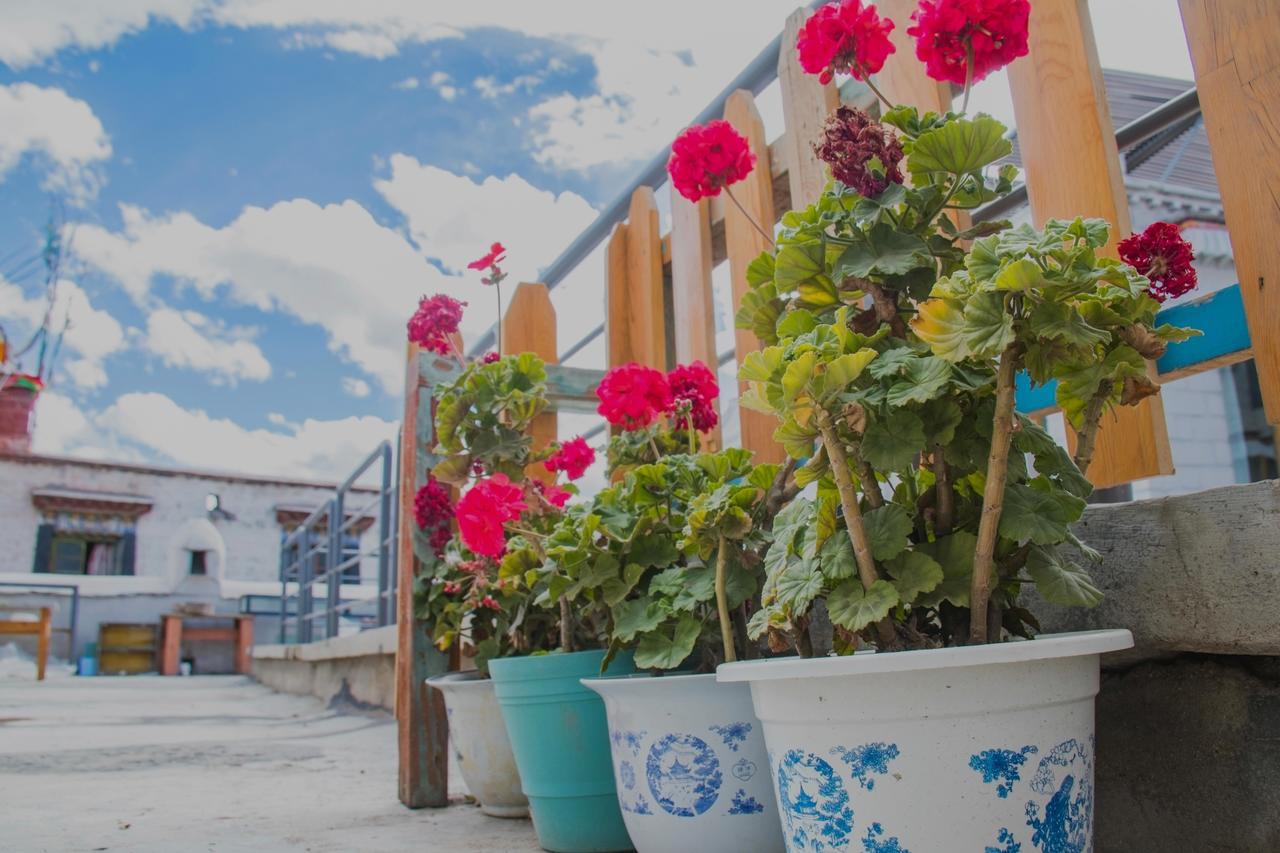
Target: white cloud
x,y
408,84
33,30
91,334
147,426
356,387
332,266
189,339
59,131
533,224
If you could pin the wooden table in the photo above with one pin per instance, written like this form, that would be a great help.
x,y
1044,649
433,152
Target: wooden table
x,y
172,633
41,629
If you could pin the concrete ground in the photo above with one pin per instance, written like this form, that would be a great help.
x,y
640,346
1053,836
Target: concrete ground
x,y
210,763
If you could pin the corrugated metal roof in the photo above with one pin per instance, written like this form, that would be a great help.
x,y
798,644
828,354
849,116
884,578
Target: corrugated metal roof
x,y
1177,158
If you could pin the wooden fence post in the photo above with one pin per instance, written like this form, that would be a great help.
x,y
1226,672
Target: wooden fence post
x,y
529,325
635,315
1235,49
422,726
745,244
1073,169
806,103
902,79
693,302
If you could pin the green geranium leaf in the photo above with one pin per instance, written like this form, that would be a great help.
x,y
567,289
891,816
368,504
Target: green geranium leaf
x,y
813,470
761,270
887,529
983,260
795,439
795,323
913,573
669,646
1023,274
799,585
759,311
843,370
636,616
1062,322
836,557
988,328
797,375
616,589
761,365
658,549
1037,516
925,379
890,444
884,250
1059,581
954,553
959,146
797,263
853,608
940,323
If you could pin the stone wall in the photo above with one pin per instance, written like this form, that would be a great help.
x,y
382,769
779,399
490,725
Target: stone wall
x,y
1189,720
358,671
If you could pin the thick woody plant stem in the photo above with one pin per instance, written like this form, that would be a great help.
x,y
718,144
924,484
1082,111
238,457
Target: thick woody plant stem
x,y
566,625
857,531
993,495
722,601
946,497
1087,440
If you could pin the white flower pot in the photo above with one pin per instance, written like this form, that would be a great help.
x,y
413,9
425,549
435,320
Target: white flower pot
x,y
480,743
978,749
690,764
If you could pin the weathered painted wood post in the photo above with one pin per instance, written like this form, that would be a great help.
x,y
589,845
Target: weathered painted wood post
x,y
1073,169
693,302
635,311
806,103
1235,49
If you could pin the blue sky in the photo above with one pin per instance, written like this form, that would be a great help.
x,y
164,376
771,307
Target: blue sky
x,y
260,189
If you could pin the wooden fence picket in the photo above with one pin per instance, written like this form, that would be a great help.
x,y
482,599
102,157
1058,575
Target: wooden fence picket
x,y
1073,169
693,303
806,103
529,325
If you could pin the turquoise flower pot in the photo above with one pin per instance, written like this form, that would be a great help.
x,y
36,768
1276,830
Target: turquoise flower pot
x,y
561,744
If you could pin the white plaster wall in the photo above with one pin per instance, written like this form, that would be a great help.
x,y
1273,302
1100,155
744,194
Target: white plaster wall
x,y
251,540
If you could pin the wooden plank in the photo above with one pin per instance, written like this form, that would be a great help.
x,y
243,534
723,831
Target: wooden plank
x,y
1235,50
693,302
806,103
42,642
902,79
422,728
617,334
1073,169
170,644
645,306
745,244
244,644
529,325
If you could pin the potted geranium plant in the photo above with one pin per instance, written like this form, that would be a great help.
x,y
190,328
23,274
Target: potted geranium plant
x,y
672,553
892,341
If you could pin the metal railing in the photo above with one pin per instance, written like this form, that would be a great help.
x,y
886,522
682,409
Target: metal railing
x,y
316,559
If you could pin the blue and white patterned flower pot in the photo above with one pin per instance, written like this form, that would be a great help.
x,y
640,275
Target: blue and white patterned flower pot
x,y
690,764
479,740
979,749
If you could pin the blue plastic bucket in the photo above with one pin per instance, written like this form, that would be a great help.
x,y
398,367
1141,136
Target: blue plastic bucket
x,y
561,744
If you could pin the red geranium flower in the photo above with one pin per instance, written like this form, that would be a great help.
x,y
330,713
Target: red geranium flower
x,y
435,322
633,396
694,389
491,357
847,37
484,509
433,510
489,602
706,158
573,458
496,256
452,588
850,139
1162,256
945,30
556,496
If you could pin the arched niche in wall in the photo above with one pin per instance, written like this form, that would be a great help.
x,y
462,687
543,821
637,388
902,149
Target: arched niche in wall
x,y
197,556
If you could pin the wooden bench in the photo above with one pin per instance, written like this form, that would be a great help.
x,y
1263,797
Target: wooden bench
x,y
41,628
172,633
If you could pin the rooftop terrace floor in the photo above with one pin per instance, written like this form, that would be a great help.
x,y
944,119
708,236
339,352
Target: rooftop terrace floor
x,y
210,763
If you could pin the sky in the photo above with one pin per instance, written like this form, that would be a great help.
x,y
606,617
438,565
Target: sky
x,y
258,191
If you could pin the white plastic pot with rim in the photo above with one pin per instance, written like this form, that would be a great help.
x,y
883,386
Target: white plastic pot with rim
x,y
480,743
980,749
690,764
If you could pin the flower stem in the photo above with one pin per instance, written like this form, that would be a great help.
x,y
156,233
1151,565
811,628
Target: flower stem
x,y
848,500
993,495
968,74
566,625
946,497
722,601
872,86
497,288
766,235
693,434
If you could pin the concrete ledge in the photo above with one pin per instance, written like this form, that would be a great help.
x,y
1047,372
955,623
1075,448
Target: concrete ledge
x,y
356,671
1193,573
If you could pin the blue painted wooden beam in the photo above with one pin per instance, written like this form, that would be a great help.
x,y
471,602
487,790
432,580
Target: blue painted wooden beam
x,y
1220,316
